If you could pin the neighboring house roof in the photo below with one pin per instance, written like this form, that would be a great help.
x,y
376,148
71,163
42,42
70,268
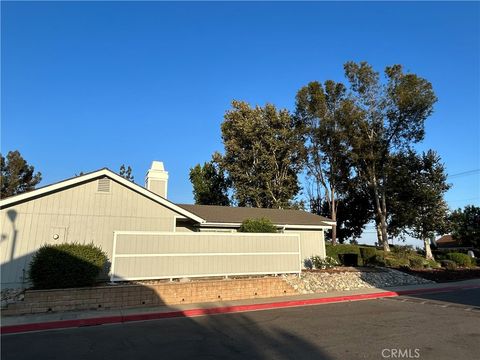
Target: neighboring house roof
x,y
45,190
447,240
234,216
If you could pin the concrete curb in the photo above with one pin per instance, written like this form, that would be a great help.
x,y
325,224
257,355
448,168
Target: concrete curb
x,y
63,324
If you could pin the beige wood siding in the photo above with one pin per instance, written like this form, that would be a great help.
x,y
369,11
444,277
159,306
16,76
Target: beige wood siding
x,y
144,256
311,242
78,214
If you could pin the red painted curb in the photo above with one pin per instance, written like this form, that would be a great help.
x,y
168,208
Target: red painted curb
x,y
62,324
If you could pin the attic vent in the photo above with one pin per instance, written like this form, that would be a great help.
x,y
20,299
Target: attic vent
x,y
103,185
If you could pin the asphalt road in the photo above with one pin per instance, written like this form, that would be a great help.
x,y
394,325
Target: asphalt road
x,y
436,326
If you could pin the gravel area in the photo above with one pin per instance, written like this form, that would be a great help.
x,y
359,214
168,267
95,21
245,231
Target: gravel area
x,y
319,282
10,296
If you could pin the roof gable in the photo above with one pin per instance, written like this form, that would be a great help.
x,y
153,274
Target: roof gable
x,y
59,186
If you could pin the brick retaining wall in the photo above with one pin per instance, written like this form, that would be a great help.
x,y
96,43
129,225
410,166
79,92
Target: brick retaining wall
x,y
168,293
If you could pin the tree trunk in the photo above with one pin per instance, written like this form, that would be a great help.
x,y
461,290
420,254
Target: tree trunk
x,y
381,216
428,249
334,218
383,227
379,232
383,223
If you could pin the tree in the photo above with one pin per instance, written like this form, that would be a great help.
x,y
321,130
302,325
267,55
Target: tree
x,y
17,176
262,225
321,110
264,152
417,184
465,225
392,118
354,210
210,185
126,172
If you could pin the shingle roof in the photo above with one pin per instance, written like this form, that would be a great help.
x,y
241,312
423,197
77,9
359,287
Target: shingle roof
x,y
226,214
446,239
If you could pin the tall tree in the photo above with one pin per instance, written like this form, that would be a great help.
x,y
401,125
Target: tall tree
x,y
17,176
465,225
418,184
126,172
210,185
394,113
321,110
264,153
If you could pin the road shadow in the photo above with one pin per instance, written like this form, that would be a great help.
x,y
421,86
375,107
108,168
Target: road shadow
x,y
232,336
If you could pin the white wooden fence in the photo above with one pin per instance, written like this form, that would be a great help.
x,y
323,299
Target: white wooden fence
x,y
142,255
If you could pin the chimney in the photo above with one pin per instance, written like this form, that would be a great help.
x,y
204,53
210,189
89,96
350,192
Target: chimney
x,y
156,179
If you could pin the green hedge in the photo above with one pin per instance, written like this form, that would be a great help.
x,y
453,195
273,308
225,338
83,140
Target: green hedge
x,y
66,266
368,255
460,259
261,225
334,251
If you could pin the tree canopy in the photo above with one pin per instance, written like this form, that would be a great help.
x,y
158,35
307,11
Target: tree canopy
x,y
392,118
320,112
465,225
210,185
126,172
416,188
17,175
264,153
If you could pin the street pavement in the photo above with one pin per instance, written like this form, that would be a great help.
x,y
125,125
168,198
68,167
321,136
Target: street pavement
x,y
428,326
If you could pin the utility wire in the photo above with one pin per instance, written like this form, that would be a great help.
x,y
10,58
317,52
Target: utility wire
x,y
464,173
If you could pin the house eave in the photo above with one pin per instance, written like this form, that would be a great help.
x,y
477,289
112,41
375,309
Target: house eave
x,y
282,226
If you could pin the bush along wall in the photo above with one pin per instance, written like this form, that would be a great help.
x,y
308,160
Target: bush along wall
x,y
66,266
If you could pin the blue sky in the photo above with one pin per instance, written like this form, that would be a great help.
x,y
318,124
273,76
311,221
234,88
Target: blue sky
x,y
87,85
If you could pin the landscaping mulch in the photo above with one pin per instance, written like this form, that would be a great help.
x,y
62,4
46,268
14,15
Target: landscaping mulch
x,y
444,275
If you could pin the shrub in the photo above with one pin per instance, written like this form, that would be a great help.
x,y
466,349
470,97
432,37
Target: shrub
x,y
396,262
432,264
326,263
261,225
448,264
416,262
66,266
377,260
334,251
460,259
405,251
367,254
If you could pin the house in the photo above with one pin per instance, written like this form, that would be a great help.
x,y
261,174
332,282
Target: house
x,y
446,241
112,212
